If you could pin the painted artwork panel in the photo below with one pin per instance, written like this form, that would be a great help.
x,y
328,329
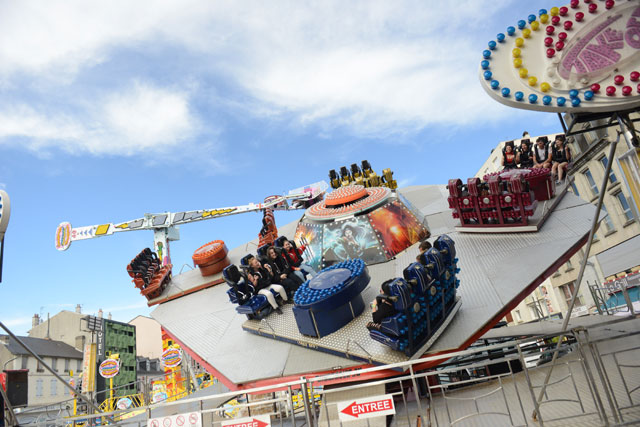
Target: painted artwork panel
x,y
349,239
396,227
310,235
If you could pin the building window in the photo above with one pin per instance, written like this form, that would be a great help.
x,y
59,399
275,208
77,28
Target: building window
x,y
518,316
54,387
575,189
568,290
39,367
79,365
612,176
608,224
39,388
66,365
25,362
54,364
569,266
591,181
626,209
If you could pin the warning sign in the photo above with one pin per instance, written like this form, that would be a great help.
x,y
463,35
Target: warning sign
x,y
190,419
257,421
366,408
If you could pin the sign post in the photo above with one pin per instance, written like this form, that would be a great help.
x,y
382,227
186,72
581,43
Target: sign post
x,y
5,213
377,406
109,369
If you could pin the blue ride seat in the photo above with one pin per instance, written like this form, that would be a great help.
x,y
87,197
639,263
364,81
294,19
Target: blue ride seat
x,y
419,278
433,261
396,325
242,292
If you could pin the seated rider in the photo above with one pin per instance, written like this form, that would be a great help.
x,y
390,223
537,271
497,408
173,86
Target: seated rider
x,y
294,255
541,155
261,278
382,307
281,271
525,156
561,156
424,247
509,156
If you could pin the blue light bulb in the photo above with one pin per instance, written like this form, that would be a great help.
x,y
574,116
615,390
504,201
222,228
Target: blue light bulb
x,y
533,98
542,12
522,23
511,31
492,44
561,101
573,93
575,102
487,75
519,96
531,18
505,92
486,54
588,95
500,37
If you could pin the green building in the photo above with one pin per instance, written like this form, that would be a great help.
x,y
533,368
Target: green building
x,y
117,338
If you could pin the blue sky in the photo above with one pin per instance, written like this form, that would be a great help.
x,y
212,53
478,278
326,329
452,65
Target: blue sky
x,y
112,109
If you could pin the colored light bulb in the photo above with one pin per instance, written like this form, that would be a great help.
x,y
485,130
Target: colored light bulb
x,y
573,93
535,25
611,90
618,79
575,3
550,29
531,18
544,18
495,84
609,4
500,37
563,10
542,12
559,45
505,92
546,100
517,63
492,44
533,98
588,95
579,16
519,42
555,20
521,24
561,101
487,75
486,54
519,96
484,64
516,52
626,90
545,87
562,36
523,72
568,25
511,30
532,81
554,11
595,88
575,102
634,76
593,8
526,33
548,41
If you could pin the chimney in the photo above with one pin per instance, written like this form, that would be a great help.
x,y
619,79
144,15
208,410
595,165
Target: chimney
x,y
109,316
4,339
35,321
78,308
100,313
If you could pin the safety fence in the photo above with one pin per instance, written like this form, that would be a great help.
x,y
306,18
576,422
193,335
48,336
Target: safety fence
x,y
595,381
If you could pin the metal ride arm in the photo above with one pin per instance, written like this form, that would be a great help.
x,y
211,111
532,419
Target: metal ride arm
x,y
164,224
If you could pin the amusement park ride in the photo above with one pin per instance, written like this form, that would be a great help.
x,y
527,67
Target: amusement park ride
x,y
497,238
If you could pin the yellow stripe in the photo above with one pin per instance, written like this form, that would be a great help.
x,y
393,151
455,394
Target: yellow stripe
x,y
102,229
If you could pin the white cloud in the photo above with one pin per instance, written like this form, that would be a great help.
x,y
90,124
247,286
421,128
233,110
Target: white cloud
x,y
371,67
135,120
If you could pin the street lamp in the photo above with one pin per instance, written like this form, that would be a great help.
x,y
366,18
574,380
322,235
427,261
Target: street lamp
x,y
10,360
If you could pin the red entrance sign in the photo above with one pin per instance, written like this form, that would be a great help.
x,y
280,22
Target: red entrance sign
x,y
366,408
259,421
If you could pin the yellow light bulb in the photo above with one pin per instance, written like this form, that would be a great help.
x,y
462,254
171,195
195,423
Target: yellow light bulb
x,y
517,63
532,81
535,25
554,11
545,87
519,42
523,72
516,52
526,33
544,18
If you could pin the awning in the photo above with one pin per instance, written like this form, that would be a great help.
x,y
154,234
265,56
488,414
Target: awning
x,y
620,257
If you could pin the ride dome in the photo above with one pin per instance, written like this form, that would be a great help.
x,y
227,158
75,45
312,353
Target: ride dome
x,y
373,224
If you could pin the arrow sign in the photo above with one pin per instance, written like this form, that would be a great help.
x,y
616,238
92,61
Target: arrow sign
x,y
376,406
257,421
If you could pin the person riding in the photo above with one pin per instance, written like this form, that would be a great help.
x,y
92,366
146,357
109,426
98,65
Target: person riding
x,y
541,155
425,245
509,156
294,256
282,273
261,278
525,156
561,156
382,307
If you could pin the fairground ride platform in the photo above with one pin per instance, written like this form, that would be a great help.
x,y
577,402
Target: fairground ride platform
x,y
497,272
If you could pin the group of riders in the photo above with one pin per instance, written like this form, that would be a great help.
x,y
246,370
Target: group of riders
x,y
554,155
